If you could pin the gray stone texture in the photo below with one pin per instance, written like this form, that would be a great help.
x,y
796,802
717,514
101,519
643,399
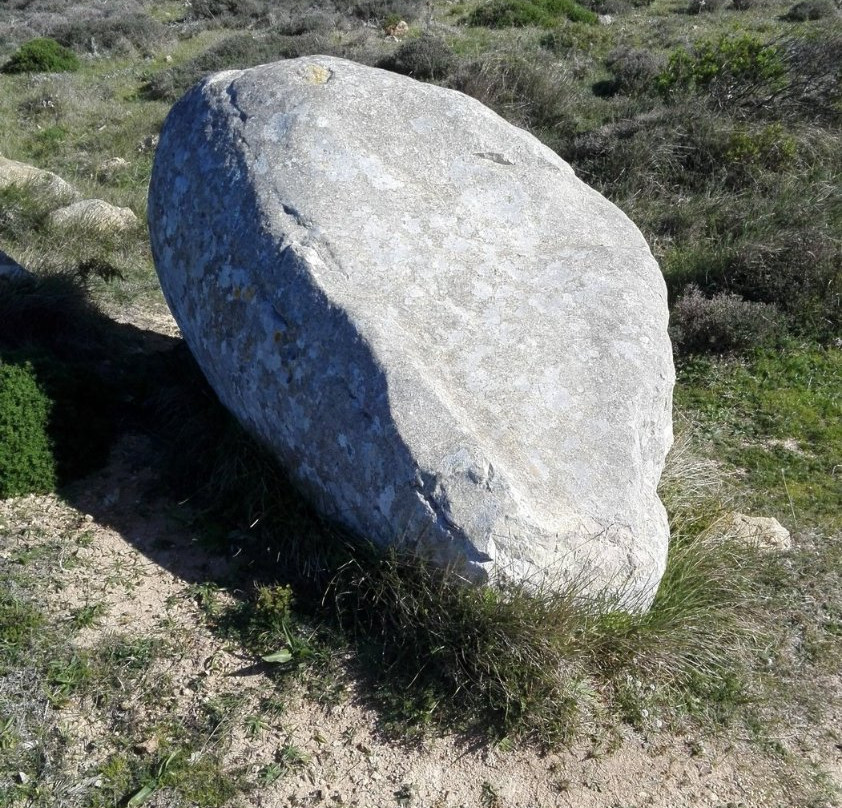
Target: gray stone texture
x,y
447,338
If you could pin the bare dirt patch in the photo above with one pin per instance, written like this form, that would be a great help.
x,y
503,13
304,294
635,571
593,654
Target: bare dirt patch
x,y
143,572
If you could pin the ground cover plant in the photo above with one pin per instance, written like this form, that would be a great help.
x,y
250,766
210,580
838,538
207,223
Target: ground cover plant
x,y
717,132
42,55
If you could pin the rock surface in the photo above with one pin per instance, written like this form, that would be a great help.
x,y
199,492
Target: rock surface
x,y
95,213
446,337
763,532
13,172
11,269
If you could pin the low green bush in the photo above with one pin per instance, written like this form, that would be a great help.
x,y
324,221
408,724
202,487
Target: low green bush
x,y
733,70
521,13
27,465
42,55
770,147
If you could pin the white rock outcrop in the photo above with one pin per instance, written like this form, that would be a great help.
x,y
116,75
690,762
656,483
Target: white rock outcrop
x,y
447,338
763,532
95,213
13,172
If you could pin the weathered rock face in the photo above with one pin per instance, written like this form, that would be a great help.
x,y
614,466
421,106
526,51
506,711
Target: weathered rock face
x,y
444,335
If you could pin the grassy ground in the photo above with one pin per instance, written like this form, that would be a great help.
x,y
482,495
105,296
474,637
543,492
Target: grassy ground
x,y
716,127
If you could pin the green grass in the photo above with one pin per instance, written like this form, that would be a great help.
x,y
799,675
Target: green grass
x,y
777,418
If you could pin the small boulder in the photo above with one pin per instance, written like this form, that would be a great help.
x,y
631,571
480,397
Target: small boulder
x,y
94,213
763,532
448,340
13,172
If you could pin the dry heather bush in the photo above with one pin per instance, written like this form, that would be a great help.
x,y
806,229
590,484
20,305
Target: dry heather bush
x,y
811,10
722,324
117,34
702,6
538,93
427,57
21,20
634,71
381,11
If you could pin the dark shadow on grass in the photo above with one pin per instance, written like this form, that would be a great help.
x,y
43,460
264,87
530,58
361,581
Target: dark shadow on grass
x,y
144,447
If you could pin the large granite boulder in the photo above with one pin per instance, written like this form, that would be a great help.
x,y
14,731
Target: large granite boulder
x,y
447,338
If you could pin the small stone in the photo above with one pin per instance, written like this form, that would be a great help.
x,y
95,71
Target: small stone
x,y
147,747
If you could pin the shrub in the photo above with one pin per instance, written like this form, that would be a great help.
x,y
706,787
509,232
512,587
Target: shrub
x,y
537,94
381,10
26,459
520,13
113,34
732,71
810,10
42,55
796,267
814,78
770,148
426,57
577,36
229,12
722,324
701,6
634,71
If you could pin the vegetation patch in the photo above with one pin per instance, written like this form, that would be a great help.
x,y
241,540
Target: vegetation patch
x,y
26,458
42,55
521,13
777,418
